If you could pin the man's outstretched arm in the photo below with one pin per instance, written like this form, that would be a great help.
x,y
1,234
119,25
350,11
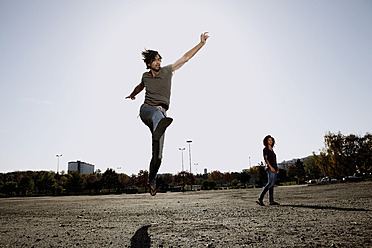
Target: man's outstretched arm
x,y
136,90
179,63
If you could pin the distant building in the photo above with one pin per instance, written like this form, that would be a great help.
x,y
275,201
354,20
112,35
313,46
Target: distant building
x,y
82,167
285,164
205,171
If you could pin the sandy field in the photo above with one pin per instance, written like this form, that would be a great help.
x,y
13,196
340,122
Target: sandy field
x,y
337,215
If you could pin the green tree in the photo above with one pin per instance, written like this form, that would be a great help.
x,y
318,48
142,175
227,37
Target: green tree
x,y
2,178
167,179
110,179
75,182
89,181
281,177
208,184
258,175
345,155
142,179
184,178
244,177
98,184
180,179
46,182
124,181
336,161
297,171
364,156
190,179
212,184
26,185
10,188
216,176
235,182
312,170
227,178
205,185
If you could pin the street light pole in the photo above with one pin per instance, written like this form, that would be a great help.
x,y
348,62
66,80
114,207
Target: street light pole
x,y
182,149
182,172
189,141
196,168
58,156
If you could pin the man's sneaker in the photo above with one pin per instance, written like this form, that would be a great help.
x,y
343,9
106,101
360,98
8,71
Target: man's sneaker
x,y
162,126
260,202
274,203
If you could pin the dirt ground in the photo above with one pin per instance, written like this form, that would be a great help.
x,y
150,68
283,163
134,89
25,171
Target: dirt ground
x,y
337,215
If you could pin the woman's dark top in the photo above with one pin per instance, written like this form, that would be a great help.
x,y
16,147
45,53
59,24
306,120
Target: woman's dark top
x,y
271,157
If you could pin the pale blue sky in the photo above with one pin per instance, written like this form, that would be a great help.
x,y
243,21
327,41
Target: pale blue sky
x,y
292,69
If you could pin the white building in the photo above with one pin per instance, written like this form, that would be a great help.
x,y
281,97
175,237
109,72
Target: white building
x,y
285,164
82,167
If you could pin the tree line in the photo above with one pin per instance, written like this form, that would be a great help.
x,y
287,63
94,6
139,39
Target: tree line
x,y
36,183
345,155
342,156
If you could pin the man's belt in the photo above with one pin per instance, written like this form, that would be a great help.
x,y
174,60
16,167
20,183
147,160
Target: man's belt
x,y
159,106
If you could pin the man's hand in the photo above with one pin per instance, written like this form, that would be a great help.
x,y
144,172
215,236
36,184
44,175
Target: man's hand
x,y
136,90
272,169
204,37
131,97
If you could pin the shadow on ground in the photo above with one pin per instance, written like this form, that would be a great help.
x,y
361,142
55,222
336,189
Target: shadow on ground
x,y
141,238
326,208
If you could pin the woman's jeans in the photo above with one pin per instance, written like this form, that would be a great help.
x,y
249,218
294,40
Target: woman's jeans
x,y
269,186
151,116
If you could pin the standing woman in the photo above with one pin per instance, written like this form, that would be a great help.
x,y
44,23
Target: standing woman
x,y
272,170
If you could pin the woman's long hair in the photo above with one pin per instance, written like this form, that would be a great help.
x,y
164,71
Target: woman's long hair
x,y
266,141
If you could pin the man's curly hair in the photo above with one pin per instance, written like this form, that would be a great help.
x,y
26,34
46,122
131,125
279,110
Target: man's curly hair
x,y
149,57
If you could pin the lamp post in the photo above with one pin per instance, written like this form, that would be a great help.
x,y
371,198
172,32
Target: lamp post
x,y
58,156
182,172
189,141
196,168
182,149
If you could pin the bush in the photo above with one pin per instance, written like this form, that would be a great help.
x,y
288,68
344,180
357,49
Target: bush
x,y
205,185
235,182
288,183
59,190
209,184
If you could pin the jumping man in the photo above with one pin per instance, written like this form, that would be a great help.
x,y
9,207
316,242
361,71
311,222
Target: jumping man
x,y
153,113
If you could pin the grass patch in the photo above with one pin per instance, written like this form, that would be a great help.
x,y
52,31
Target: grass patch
x,y
288,183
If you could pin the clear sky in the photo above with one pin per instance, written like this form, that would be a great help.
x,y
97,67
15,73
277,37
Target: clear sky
x,y
292,69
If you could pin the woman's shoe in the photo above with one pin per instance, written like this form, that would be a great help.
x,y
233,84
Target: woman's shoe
x,y
274,203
